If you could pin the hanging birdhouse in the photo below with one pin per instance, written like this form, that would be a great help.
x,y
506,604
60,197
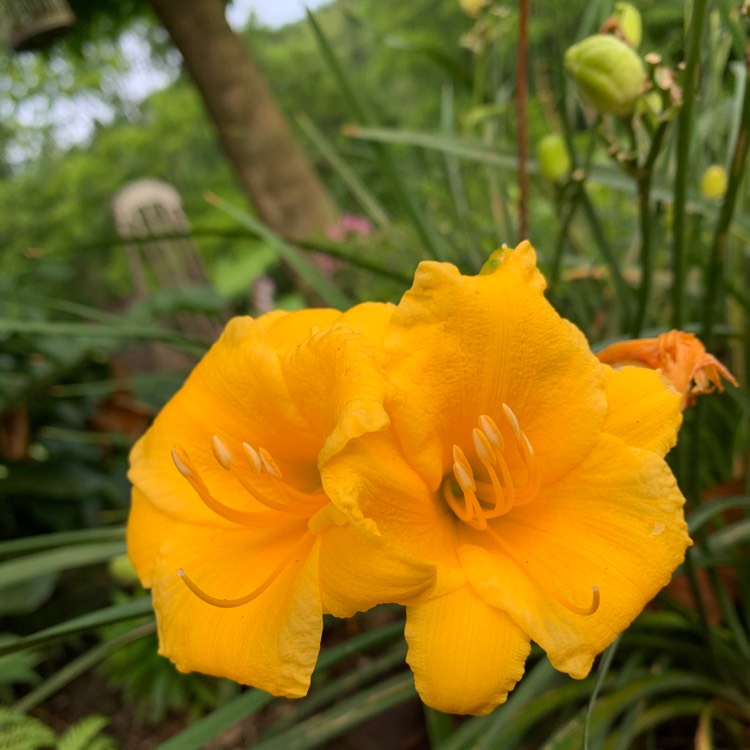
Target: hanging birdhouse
x,y
36,24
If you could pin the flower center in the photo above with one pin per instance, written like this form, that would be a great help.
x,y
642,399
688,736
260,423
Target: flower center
x,y
487,490
262,479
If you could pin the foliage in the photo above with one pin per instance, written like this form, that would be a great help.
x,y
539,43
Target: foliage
x,y
410,112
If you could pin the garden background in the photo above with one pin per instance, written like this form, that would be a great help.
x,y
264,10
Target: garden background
x,y
428,129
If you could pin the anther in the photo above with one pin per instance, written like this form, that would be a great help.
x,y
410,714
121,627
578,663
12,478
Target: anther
x,y
464,477
269,464
513,420
491,430
252,456
482,447
222,454
180,464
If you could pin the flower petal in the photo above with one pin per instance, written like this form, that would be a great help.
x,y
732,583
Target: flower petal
x,y
466,655
615,523
372,483
462,346
271,642
147,529
359,570
642,408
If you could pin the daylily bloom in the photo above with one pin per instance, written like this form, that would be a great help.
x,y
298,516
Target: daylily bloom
x,y
230,526
682,359
528,472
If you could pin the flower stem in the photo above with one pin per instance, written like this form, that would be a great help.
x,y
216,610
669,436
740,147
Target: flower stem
x,y
717,258
643,181
684,136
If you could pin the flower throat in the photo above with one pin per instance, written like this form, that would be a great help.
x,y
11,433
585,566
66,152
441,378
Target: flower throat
x,y
476,498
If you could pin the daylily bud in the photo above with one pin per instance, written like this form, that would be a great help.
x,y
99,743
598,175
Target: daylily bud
x,y
714,182
629,20
472,7
608,74
122,570
553,157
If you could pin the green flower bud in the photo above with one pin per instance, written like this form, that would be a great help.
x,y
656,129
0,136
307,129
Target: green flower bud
x,y
629,19
608,74
553,157
122,570
714,182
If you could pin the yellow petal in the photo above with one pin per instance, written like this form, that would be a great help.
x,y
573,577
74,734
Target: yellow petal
x,y
336,380
271,642
236,392
463,346
615,523
372,483
147,529
359,570
642,408
466,656
313,393
371,318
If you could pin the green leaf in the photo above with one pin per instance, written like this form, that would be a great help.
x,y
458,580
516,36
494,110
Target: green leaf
x,y
319,283
81,665
204,730
21,732
61,539
326,726
91,621
56,560
86,735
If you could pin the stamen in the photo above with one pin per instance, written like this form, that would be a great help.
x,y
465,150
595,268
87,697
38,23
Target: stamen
x,y
492,431
544,585
482,447
464,477
254,594
252,456
185,467
221,452
270,465
512,420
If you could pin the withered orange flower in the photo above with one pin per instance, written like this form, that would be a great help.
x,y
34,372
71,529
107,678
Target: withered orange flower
x,y
682,359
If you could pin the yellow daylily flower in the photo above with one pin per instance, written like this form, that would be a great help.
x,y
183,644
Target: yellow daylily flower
x,y
230,526
528,472
681,358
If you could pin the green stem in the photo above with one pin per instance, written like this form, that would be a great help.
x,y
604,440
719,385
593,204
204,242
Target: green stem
x,y
645,178
621,288
721,236
684,136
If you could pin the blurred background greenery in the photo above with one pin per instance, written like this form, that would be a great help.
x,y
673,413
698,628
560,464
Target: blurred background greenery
x,y
429,129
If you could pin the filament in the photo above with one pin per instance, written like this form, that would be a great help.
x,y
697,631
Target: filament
x,y
544,586
186,468
254,594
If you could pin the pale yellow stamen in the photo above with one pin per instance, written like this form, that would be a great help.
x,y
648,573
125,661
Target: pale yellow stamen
x,y
542,583
483,447
512,420
254,594
484,500
491,430
186,468
269,464
252,456
222,454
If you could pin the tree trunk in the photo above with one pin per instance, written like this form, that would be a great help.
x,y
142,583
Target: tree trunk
x,y
252,130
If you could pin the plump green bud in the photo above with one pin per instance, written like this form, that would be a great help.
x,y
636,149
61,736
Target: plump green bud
x,y
714,182
122,570
608,74
629,19
553,157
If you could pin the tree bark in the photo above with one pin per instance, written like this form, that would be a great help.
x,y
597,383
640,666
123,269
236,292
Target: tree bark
x,y
251,128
